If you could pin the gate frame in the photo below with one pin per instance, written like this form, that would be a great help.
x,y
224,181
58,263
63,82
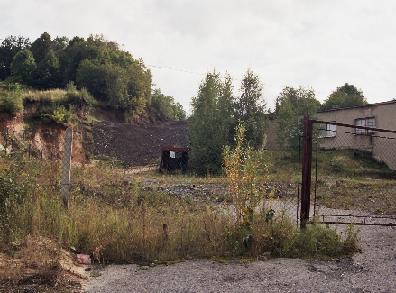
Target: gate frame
x,y
306,173
305,198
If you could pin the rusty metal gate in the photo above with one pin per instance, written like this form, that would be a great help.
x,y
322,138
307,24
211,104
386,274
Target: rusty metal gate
x,y
348,173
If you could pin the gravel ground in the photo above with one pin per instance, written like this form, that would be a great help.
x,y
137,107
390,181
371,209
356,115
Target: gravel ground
x,y
373,270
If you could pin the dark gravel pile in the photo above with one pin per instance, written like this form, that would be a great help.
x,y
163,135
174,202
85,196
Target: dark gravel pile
x,y
137,144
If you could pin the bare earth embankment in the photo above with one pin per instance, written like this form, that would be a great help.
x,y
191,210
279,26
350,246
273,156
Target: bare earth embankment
x,y
137,144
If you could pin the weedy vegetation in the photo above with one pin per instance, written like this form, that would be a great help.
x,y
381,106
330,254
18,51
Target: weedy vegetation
x,y
114,218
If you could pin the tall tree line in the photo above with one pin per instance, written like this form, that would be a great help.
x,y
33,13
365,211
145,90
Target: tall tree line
x,y
215,114
113,76
216,111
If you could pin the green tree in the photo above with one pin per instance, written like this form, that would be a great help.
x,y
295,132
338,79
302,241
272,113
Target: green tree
x,y
59,44
291,106
345,96
41,46
207,133
126,88
8,48
225,111
47,74
250,109
245,169
71,57
166,107
105,81
139,87
112,75
22,66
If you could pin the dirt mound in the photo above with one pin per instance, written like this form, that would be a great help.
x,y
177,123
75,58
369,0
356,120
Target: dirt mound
x,y
137,144
40,265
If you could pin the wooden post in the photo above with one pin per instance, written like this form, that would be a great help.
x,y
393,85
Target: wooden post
x,y
306,173
165,232
6,139
65,183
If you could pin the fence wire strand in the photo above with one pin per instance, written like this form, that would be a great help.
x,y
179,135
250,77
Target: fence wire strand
x,y
355,175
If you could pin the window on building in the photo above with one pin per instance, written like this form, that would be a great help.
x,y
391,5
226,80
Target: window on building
x,y
329,130
365,122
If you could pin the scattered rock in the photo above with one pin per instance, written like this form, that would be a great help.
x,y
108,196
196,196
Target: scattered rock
x,y
84,259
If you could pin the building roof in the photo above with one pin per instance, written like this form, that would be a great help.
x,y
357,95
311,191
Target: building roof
x,y
354,107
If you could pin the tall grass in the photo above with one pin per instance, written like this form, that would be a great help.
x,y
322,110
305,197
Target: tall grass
x,y
55,104
116,220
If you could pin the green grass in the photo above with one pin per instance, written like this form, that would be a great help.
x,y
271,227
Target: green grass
x,y
56,105
372,195
111,217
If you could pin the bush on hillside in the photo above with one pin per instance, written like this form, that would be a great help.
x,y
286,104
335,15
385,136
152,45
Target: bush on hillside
x,y
166,107
112,75
11,101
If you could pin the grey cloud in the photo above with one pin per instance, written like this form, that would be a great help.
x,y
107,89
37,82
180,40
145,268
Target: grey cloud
x,y
314,43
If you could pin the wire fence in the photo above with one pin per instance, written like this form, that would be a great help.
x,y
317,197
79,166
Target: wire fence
x,y
285,178
353,174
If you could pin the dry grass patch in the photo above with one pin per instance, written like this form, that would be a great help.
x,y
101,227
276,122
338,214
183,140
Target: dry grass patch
x,y
38,265
114,219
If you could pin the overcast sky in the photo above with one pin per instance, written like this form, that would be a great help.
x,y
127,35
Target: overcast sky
x,y
312,43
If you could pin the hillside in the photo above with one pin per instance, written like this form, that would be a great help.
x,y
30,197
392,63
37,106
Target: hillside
x,y
32,123
98,133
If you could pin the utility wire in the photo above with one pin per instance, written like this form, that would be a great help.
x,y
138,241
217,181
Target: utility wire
x,y
186,71
174,69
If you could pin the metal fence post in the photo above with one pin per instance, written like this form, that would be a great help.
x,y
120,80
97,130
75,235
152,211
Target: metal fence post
x,y
306,173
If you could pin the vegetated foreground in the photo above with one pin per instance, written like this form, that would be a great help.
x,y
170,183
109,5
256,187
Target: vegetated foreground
x,y
116,218
373,270
153,219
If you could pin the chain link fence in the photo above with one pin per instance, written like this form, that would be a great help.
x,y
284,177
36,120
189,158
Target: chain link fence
x,y
353,174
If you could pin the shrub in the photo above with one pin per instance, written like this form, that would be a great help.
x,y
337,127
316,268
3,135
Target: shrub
x,y
320,241
243,166
166,107
351,241
76,96
12,195
11,101
60,115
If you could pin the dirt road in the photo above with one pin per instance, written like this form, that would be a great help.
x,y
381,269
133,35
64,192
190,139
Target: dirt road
x,y
373,270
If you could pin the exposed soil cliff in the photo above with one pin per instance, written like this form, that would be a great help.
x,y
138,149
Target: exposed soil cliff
x,y
133,144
